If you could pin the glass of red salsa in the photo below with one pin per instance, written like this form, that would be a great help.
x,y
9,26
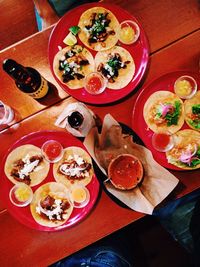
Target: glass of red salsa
x,y
52,151
162,141
95,83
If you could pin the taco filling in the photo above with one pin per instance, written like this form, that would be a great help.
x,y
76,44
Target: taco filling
x,y
165,113
194,117
188,156
114,63
53,209
72,63
22,168
75,168
98,28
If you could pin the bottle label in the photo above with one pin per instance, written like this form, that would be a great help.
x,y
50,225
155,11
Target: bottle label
x,y
42,90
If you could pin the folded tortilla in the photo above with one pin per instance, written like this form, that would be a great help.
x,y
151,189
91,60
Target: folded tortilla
x,y
192,120
67,179
187,145
38,174
125,75
151,107
56,191
86,19
81,69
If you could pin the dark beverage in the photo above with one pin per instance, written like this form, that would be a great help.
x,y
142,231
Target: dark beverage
x,y
27,79
75,119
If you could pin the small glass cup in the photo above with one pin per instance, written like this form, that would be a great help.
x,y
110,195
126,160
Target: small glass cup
x,y
7,115
80,196
185,87
129,32
52,151
21,195
95,83
162,141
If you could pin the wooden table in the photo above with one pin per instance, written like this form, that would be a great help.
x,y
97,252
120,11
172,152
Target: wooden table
x,y
173,30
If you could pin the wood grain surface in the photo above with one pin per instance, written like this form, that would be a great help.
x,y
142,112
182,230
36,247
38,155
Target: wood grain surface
x,y
173,30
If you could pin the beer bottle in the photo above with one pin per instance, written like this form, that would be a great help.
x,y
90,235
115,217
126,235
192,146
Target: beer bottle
x,y
27,79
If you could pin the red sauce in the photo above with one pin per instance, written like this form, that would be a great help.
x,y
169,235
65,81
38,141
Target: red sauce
x,y
161,141
94,85
52,149
125,171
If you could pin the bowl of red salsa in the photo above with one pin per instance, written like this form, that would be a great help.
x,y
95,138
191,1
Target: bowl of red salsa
x,y
95,83
125,171
162,142
52,151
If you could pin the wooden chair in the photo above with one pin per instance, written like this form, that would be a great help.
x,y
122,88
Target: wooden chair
x,y
17,21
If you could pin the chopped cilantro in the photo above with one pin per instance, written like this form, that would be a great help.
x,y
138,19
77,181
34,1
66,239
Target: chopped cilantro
x,y
198,152
196,109
98,28
172,118
194,162
74,29
99,25
195,123
113,63
80,50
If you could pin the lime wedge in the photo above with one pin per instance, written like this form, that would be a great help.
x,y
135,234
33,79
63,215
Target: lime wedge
x,y
70,39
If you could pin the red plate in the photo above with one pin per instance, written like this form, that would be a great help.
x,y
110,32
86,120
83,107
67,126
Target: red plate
x,y
23,215
139,52
165,82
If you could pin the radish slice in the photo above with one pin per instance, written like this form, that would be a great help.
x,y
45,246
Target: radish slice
x,y
186,156
165,109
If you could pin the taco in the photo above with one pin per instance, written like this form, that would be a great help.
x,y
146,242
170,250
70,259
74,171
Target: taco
x,y
25,164
186,151
192,112
164,112
99,28
74,168
51,205
72,64
117,65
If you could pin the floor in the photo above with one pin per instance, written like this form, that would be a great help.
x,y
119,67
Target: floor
x,y
146,244
151,246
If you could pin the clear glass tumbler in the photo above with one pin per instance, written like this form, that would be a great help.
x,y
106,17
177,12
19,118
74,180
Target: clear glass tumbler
x,y
7,115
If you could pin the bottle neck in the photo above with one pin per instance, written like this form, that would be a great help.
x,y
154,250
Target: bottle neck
x,y
15,70
27,79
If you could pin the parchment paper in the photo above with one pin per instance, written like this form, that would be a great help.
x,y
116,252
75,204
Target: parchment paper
x,y
157,182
